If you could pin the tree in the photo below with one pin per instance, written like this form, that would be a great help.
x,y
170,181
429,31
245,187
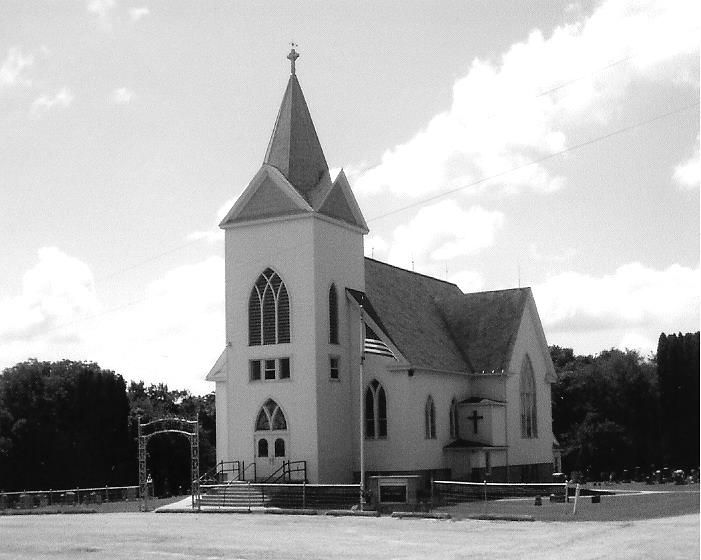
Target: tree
x,y
678,372
606,410
63,424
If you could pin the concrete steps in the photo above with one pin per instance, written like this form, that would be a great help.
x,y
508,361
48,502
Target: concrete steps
x,y
236,494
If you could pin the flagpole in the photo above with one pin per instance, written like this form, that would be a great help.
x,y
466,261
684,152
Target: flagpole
x,y
361,411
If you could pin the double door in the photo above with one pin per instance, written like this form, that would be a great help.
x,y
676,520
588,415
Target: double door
x,y
271,451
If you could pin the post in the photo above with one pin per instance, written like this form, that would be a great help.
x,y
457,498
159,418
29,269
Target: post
x,y
485,494
304,494
576,497
249,496
432,494
361,412
567,491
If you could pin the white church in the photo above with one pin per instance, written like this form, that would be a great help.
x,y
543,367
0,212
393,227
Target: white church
x,y
460,387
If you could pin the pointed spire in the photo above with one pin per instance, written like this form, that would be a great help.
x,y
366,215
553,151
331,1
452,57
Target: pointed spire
x,y
294,147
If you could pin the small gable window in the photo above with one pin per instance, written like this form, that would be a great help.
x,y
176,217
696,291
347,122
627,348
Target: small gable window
x,y
333,315
529,419
430,418
268,311
454,426
270,417
375,411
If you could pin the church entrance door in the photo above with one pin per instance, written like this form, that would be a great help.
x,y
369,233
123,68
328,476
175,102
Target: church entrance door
x,y
271,453
270,440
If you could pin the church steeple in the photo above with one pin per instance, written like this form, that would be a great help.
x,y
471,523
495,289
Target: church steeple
x,y
294,147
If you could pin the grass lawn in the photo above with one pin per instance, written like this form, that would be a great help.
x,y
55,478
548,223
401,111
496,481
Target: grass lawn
x,y
663,523
649,502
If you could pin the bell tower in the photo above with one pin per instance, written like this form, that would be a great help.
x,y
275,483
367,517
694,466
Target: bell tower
x,y
293,244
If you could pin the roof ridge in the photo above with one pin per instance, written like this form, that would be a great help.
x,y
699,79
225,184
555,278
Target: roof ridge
x,y
523,289
413,272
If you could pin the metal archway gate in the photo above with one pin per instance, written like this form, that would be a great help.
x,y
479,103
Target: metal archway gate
x,y
188,428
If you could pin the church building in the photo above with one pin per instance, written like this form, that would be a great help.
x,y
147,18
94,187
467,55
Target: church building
x,y
451,386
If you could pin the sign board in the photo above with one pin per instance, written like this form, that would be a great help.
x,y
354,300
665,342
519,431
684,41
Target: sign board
x,y
393,493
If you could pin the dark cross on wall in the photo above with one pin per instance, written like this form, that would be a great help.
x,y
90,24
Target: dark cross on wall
x,y
475,419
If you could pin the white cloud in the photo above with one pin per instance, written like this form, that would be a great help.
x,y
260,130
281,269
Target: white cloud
x,y
538,256
41,105
56,291
441,232
174,335
137,13
224,208
13,67
102,9
634,297
468,280
122,95
688,174
500,119
211,235
375,243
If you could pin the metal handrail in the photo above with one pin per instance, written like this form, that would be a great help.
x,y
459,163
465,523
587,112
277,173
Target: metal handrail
x,y
286,470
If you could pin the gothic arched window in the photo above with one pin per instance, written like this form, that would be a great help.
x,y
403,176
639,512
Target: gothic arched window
x,y
529,419
454,425
333,315
268,311
430,418
375,411
270,417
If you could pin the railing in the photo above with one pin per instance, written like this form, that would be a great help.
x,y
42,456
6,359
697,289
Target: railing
x,y
32,499
251,466
286,470
218,473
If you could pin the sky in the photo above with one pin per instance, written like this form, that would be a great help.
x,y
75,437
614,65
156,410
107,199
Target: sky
x,y
491,143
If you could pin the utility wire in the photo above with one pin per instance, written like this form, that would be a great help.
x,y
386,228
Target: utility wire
x,y
534,162
425,200
192,242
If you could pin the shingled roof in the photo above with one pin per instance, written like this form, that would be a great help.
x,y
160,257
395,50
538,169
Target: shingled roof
x,y
436,326
485,325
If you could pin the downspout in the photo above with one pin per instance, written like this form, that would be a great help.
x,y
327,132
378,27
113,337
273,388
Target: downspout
x,y
506,428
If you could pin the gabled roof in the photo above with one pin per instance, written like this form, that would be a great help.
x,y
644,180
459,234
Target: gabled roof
x,y
405,303
436,326
467,444
294,146
485,325
339,202
269,194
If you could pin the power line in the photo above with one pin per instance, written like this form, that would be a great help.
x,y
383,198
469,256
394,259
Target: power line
x,y
426,200
182,246
534,162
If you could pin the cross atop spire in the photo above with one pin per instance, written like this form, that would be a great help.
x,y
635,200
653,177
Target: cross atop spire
x,y
292,57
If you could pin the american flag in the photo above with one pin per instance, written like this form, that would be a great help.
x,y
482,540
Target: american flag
x,y
373,345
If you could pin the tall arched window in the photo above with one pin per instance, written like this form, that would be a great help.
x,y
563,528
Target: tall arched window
x,y
375,411
454,425
268,311
529,420
430,418
333,315
270,417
